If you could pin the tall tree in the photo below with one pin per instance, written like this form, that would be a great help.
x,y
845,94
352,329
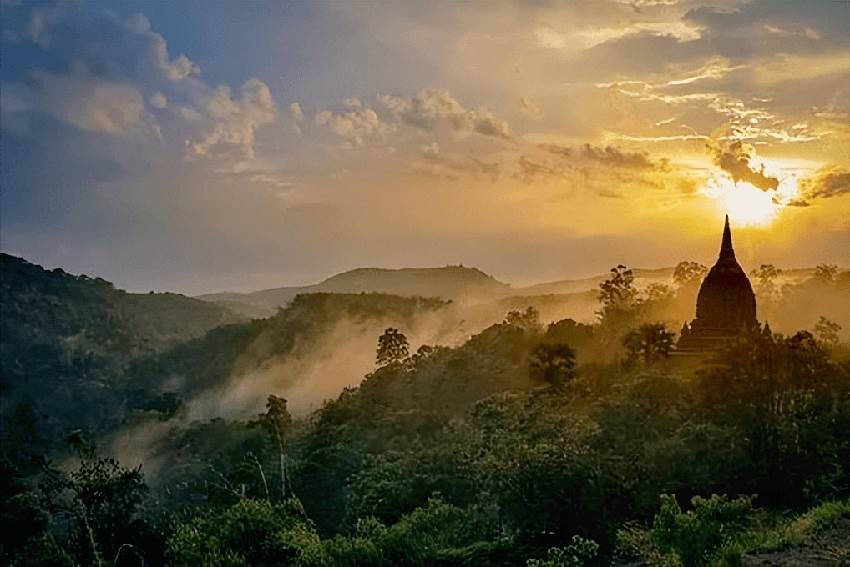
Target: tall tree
x,y
278,421
393,348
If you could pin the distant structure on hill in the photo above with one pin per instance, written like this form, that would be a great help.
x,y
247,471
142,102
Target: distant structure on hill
x,y
726,305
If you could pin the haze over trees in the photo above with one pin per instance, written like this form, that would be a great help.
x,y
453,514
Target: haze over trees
x,y
526,440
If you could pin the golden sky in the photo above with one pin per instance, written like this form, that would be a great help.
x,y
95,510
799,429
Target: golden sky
x,y
199,147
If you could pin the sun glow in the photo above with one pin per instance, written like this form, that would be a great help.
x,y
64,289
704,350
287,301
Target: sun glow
x,y
748,205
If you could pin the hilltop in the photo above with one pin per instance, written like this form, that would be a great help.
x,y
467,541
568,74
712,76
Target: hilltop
x,y
456,283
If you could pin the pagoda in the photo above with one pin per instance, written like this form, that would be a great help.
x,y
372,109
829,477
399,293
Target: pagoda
x,y
726,304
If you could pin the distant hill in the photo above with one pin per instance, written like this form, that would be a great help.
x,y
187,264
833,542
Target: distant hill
x,y
456,283
592,283
449,283
90,313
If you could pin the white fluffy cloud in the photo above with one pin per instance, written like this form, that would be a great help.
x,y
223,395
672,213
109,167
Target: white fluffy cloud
x,y
431,108
356,124
235,121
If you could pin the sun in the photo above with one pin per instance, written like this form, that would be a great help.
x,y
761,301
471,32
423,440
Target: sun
x,y
748,205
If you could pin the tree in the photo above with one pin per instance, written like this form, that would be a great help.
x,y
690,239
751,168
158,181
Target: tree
x,y
657,292
553,363
688,272
826,272
525,320
393,348
278,420
766,275
618,291
580,552
101,505
620,301
827,332
648,343
250,532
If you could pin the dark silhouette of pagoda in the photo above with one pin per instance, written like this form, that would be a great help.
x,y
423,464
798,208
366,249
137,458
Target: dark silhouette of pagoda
x,y
726,304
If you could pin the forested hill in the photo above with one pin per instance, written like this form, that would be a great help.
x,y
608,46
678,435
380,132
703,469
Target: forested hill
x,y
89,314
449,283
64,339
78,354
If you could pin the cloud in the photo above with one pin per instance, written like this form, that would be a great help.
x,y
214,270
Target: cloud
x,y
435,164
431,108
355,125
530,109
296,113
827,182
104,67
296,116
235,121
735,158
530,170
610,156
83,101
158,100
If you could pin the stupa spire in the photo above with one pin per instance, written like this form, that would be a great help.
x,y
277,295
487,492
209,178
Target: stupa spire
x,y
726,250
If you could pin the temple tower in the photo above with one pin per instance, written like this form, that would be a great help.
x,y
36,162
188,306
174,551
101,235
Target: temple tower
x,y
726,304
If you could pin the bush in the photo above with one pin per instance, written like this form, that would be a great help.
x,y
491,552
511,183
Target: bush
x,y
578,553
695,537
251,532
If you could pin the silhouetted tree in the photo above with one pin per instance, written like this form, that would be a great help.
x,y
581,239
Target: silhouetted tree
x,y
688,272
648,343
826,272
554,364
620,302
827,332
766,275
393,347
618,291
526,320
657,292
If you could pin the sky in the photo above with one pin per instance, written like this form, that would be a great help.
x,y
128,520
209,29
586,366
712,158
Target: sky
x,y
200,146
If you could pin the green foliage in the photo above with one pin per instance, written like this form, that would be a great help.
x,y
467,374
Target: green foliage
x,y
71,336
648,344
250,532
696,534
720,531
393,348
789,403
554,364
578,553
451,456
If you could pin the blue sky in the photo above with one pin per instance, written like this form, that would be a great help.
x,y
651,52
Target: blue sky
x,y
200,146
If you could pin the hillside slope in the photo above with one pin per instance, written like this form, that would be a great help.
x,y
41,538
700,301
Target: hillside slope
x,y
65,339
